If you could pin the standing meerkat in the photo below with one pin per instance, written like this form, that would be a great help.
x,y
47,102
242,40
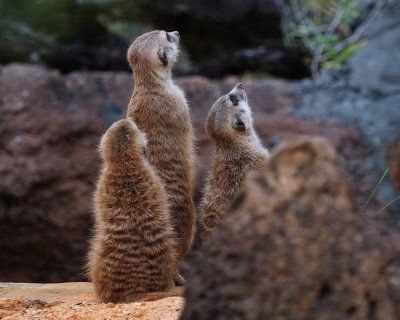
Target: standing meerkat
x,y
133,250
238,150
160,110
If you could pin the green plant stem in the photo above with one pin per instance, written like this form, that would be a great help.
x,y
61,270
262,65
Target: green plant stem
x,y
377,186
390,203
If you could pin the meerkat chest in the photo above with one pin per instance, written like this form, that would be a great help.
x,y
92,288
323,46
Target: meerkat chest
x,y
176,93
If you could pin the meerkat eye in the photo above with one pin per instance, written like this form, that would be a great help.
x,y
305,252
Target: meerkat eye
x,y
234,99
169,38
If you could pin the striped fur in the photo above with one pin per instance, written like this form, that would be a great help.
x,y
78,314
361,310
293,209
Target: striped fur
x,y
160,110
238,150
133,250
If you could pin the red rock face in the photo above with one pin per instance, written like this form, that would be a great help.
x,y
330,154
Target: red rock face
x,y
49,131
50,125
393,158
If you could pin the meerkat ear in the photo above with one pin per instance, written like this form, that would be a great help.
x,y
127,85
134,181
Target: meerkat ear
x,y
165,55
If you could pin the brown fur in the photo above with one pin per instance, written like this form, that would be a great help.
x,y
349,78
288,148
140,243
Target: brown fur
x,y
133,248
160,110
238,150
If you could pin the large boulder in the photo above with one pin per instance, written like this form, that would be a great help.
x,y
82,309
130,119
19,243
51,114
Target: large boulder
x,y
76,300
296,247
49,131
374,68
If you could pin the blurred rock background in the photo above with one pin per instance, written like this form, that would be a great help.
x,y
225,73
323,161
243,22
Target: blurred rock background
x,y
64,79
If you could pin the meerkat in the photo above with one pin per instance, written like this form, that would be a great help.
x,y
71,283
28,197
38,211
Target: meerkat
x,y
160,110
133,250
238,150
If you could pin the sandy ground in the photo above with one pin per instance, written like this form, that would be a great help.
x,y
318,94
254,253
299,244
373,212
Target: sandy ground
x,y
65,302
163,309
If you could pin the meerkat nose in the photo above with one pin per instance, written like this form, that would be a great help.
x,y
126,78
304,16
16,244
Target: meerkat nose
x,y
176,34
239,86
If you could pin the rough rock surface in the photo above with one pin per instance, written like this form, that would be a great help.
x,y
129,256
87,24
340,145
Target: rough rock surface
x,y
50,125
296,248
77,301
364,95
374,68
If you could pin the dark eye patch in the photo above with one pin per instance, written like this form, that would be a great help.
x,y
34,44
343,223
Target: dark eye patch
x,y
234,99
239,125
169,38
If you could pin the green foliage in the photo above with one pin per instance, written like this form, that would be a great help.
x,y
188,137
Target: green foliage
x,y
321,25
335,60
33,30
29,26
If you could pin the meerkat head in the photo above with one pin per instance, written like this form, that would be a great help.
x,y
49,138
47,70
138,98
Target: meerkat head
x,y
154,50
230,116
122,142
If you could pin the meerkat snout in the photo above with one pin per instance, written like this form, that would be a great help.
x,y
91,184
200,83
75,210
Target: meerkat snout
x,y
237,94
239,86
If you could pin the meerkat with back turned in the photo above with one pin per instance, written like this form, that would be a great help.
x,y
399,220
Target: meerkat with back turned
x,y
160,110
238,150
133,250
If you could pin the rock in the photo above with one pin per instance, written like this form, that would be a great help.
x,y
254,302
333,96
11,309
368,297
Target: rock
x,y
379,55
373,67
393,158
51,292
296,247
385,20
364,95
45,292
77,301
375,118
50,125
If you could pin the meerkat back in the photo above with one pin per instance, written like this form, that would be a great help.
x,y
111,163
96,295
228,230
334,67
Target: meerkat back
x,y
160,110
238,150
133,250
